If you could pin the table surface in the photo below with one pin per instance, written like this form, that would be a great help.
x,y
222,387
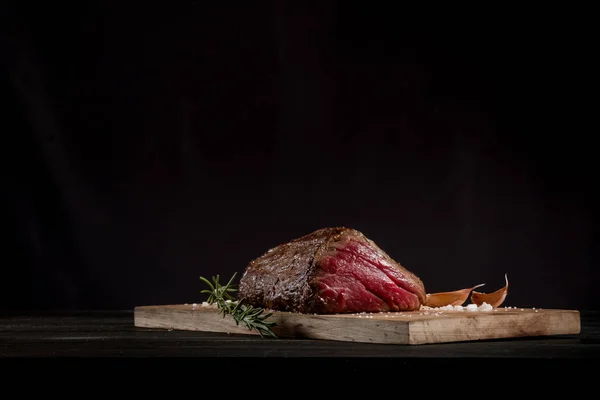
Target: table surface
x,y
112,333
83,338
79,337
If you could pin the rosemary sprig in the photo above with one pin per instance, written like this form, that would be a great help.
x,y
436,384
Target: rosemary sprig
x,y
252,317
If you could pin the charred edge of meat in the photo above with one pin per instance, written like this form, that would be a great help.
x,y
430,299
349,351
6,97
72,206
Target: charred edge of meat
x,y
286,277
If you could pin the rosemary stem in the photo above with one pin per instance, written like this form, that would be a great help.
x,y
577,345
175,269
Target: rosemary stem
x,y
254,318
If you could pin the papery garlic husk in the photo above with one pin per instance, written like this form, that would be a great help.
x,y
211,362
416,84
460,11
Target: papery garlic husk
x,y
495,299
455,298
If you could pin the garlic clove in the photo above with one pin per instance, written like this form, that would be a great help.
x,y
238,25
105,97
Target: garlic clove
x,y
495,299
455,298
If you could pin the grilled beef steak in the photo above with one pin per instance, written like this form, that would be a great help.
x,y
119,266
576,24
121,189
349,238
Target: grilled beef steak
x,y
332,270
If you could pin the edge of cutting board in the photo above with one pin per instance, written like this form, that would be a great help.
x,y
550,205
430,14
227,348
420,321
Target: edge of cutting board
x,y
411,328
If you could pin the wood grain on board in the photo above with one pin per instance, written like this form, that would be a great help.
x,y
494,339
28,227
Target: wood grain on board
x,y
419,327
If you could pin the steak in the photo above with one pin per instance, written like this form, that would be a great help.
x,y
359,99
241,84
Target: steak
x,y
330,271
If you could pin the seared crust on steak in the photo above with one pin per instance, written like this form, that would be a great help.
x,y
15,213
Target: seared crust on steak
x,y
331,270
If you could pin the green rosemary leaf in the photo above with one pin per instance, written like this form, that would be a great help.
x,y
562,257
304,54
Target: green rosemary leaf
x,y
254,318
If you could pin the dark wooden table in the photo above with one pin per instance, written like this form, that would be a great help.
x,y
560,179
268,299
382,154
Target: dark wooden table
x,y
112,335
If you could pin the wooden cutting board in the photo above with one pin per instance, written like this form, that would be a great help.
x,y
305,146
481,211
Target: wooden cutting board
x,y
418,327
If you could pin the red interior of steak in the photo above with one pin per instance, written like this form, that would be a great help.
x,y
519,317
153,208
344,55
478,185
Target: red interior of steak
x,y
354,277
331,270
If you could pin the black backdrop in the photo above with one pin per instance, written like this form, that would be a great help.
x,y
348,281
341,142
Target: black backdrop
x,y
145,146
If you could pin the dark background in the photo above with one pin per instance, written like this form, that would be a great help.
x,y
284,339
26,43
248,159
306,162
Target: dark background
x,y
146,146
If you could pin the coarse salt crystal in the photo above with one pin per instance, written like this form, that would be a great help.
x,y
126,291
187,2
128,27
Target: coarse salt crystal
x,y
485,307
458,308
472,307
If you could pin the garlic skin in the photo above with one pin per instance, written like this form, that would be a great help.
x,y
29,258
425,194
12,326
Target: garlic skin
x,y
454,298
495,299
